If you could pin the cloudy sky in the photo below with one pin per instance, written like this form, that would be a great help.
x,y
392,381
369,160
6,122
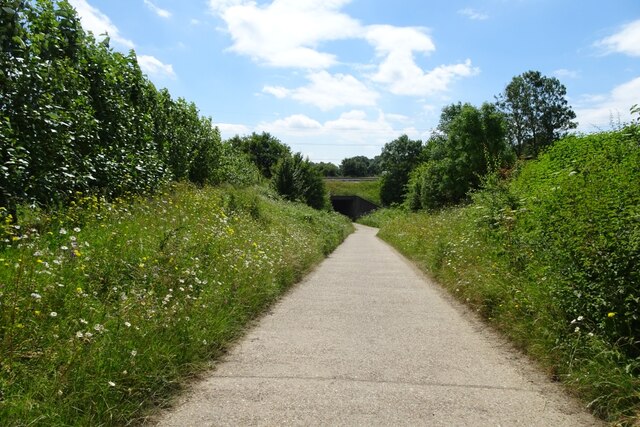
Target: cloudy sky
x,y
339,78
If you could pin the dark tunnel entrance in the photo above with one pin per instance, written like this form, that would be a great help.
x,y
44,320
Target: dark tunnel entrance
x,y
352,206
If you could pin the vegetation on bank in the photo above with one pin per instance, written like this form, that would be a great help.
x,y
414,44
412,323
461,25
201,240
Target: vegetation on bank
x,y
367,189
107,306
550,256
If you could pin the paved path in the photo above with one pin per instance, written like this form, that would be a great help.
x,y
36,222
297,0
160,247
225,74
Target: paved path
x,y
367,340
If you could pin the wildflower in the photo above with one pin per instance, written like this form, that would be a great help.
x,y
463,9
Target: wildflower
x,y
79,334
76,229
88,334
112,384
53,314
84,322
134,353
580,318
590,334
127,324
64,248
577,329
73,238
76,253
98,327
36,295
611,314
63,231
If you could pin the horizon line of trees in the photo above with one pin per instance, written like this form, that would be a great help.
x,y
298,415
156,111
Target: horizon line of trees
x,y
471,142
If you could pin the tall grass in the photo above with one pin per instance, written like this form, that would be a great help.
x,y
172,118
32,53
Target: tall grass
x,y
551,259
369,190
106,308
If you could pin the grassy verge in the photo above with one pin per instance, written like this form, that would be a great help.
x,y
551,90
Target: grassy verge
x,y
369,190
450,248
551,258
106,309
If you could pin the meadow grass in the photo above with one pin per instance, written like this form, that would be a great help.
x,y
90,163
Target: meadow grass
x,y
450,247
106,308
369,190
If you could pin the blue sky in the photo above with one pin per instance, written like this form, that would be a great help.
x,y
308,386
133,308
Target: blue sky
x,y
340,78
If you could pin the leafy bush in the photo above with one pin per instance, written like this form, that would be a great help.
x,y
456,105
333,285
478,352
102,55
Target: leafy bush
x,y
75,116
398,158
264,150
580,213
470,143
296,179
551,257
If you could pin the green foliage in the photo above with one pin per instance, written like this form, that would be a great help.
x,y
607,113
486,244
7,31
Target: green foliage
x,y
75,116
237,169
398,158
470,143
327,169
537,112
263,149
357,166
295,179
581,205
102,319
551,257
367,189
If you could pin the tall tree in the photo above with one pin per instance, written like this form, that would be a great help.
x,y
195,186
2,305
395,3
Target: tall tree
x,y
355,166
398,158
263,149
537,112
470,142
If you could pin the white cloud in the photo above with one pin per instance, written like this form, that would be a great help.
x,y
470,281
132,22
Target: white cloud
x,y
626,41
399,71
154,67
327,91
352,133
98,23
350,127
228,130
295,124
404,77
388,39
277,91
286,33
597,111
163,13
564,73
473,14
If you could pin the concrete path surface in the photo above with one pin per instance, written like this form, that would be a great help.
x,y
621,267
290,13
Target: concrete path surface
x,y
368,340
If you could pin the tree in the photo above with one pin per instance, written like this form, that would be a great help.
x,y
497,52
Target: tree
x,y
398,158
470,142
263,149
327,169
537,112
357,166
295,179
